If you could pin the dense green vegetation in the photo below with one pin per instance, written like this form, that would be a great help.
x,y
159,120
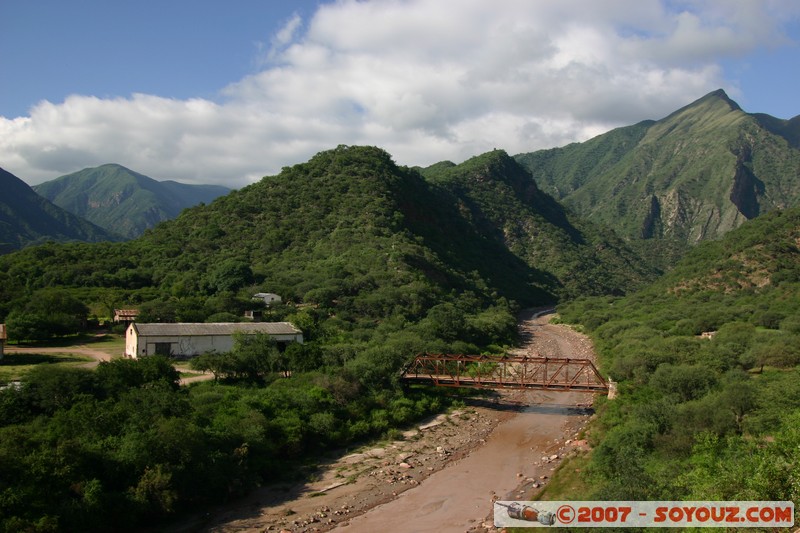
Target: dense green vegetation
x,y
498,197
408,247
124,445
122,201
704,417
376,263
693,175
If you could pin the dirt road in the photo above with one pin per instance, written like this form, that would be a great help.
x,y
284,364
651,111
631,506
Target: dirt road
x,y
81,350
96,355
443,475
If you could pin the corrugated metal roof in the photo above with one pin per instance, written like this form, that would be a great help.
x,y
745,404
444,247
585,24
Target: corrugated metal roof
x,y
217,328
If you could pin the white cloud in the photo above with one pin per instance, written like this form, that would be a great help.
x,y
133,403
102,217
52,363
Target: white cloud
x,y
425,79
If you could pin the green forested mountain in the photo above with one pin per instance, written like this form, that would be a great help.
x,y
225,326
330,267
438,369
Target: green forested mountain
x,y
496,196
352,230
123,201
26,218
694,175
707,363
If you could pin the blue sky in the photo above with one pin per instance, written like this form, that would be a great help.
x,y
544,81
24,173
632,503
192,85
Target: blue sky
x,y
214,92
178,49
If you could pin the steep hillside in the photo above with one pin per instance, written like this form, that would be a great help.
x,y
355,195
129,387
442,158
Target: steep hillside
x,y
26,218
708,361
496,195
123,201
333,228
694,175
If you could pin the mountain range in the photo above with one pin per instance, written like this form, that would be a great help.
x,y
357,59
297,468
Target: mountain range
x,y
376,262
123,201
661,185
27,218
691,176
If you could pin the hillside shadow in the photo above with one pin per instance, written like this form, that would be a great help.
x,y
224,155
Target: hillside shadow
x,y
499,403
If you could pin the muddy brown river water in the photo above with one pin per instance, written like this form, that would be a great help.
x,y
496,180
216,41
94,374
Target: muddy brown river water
x,y
459,497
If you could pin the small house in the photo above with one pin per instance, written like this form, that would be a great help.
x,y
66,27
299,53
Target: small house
x,y
267,297
254,314
125,316
190,339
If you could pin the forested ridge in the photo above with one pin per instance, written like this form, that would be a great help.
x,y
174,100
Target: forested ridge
x,y
348,230
707,363
497,195
27,219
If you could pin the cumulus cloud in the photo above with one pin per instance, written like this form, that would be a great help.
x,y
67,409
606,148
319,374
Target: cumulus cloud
x,y
421,78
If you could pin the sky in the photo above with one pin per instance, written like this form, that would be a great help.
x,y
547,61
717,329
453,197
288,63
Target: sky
x,y
203,91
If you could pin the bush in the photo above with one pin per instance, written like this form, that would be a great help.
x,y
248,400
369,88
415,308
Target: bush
x,y
683,382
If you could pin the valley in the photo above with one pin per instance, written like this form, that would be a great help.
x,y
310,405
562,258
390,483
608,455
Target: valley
x,y
670,249
444,473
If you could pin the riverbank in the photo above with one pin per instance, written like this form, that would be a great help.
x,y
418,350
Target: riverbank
x,y
506,447
366,477
516,461
444,474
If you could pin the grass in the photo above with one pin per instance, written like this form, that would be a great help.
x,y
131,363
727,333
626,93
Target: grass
x,y
185,369
568,481
13,367
113,345
109,343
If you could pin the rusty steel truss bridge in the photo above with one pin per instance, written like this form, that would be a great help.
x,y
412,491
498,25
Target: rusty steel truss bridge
x,y
506,372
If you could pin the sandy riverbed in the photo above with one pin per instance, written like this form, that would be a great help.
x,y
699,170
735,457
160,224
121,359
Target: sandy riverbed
x,y
443,475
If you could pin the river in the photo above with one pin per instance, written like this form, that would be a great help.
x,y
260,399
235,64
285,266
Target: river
x,y
460,496
445,475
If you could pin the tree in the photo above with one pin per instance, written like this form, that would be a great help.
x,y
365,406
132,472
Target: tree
x,y
683,382
117,376
48,313
445,321
217,364
27,326
158,311
303,357
252,358
739,397
49,388
781,351
255,355
230,275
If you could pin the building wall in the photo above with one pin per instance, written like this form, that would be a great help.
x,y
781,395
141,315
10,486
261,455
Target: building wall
x,y
186,345
131,342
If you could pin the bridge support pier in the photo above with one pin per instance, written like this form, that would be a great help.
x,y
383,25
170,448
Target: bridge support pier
x,y
612,389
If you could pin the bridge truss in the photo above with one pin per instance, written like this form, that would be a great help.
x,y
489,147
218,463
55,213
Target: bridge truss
x,y
505,372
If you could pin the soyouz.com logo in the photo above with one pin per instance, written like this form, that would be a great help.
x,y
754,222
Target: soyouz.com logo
x,y
643,514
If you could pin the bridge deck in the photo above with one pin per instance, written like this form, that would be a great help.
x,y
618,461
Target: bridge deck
x,y
505,372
